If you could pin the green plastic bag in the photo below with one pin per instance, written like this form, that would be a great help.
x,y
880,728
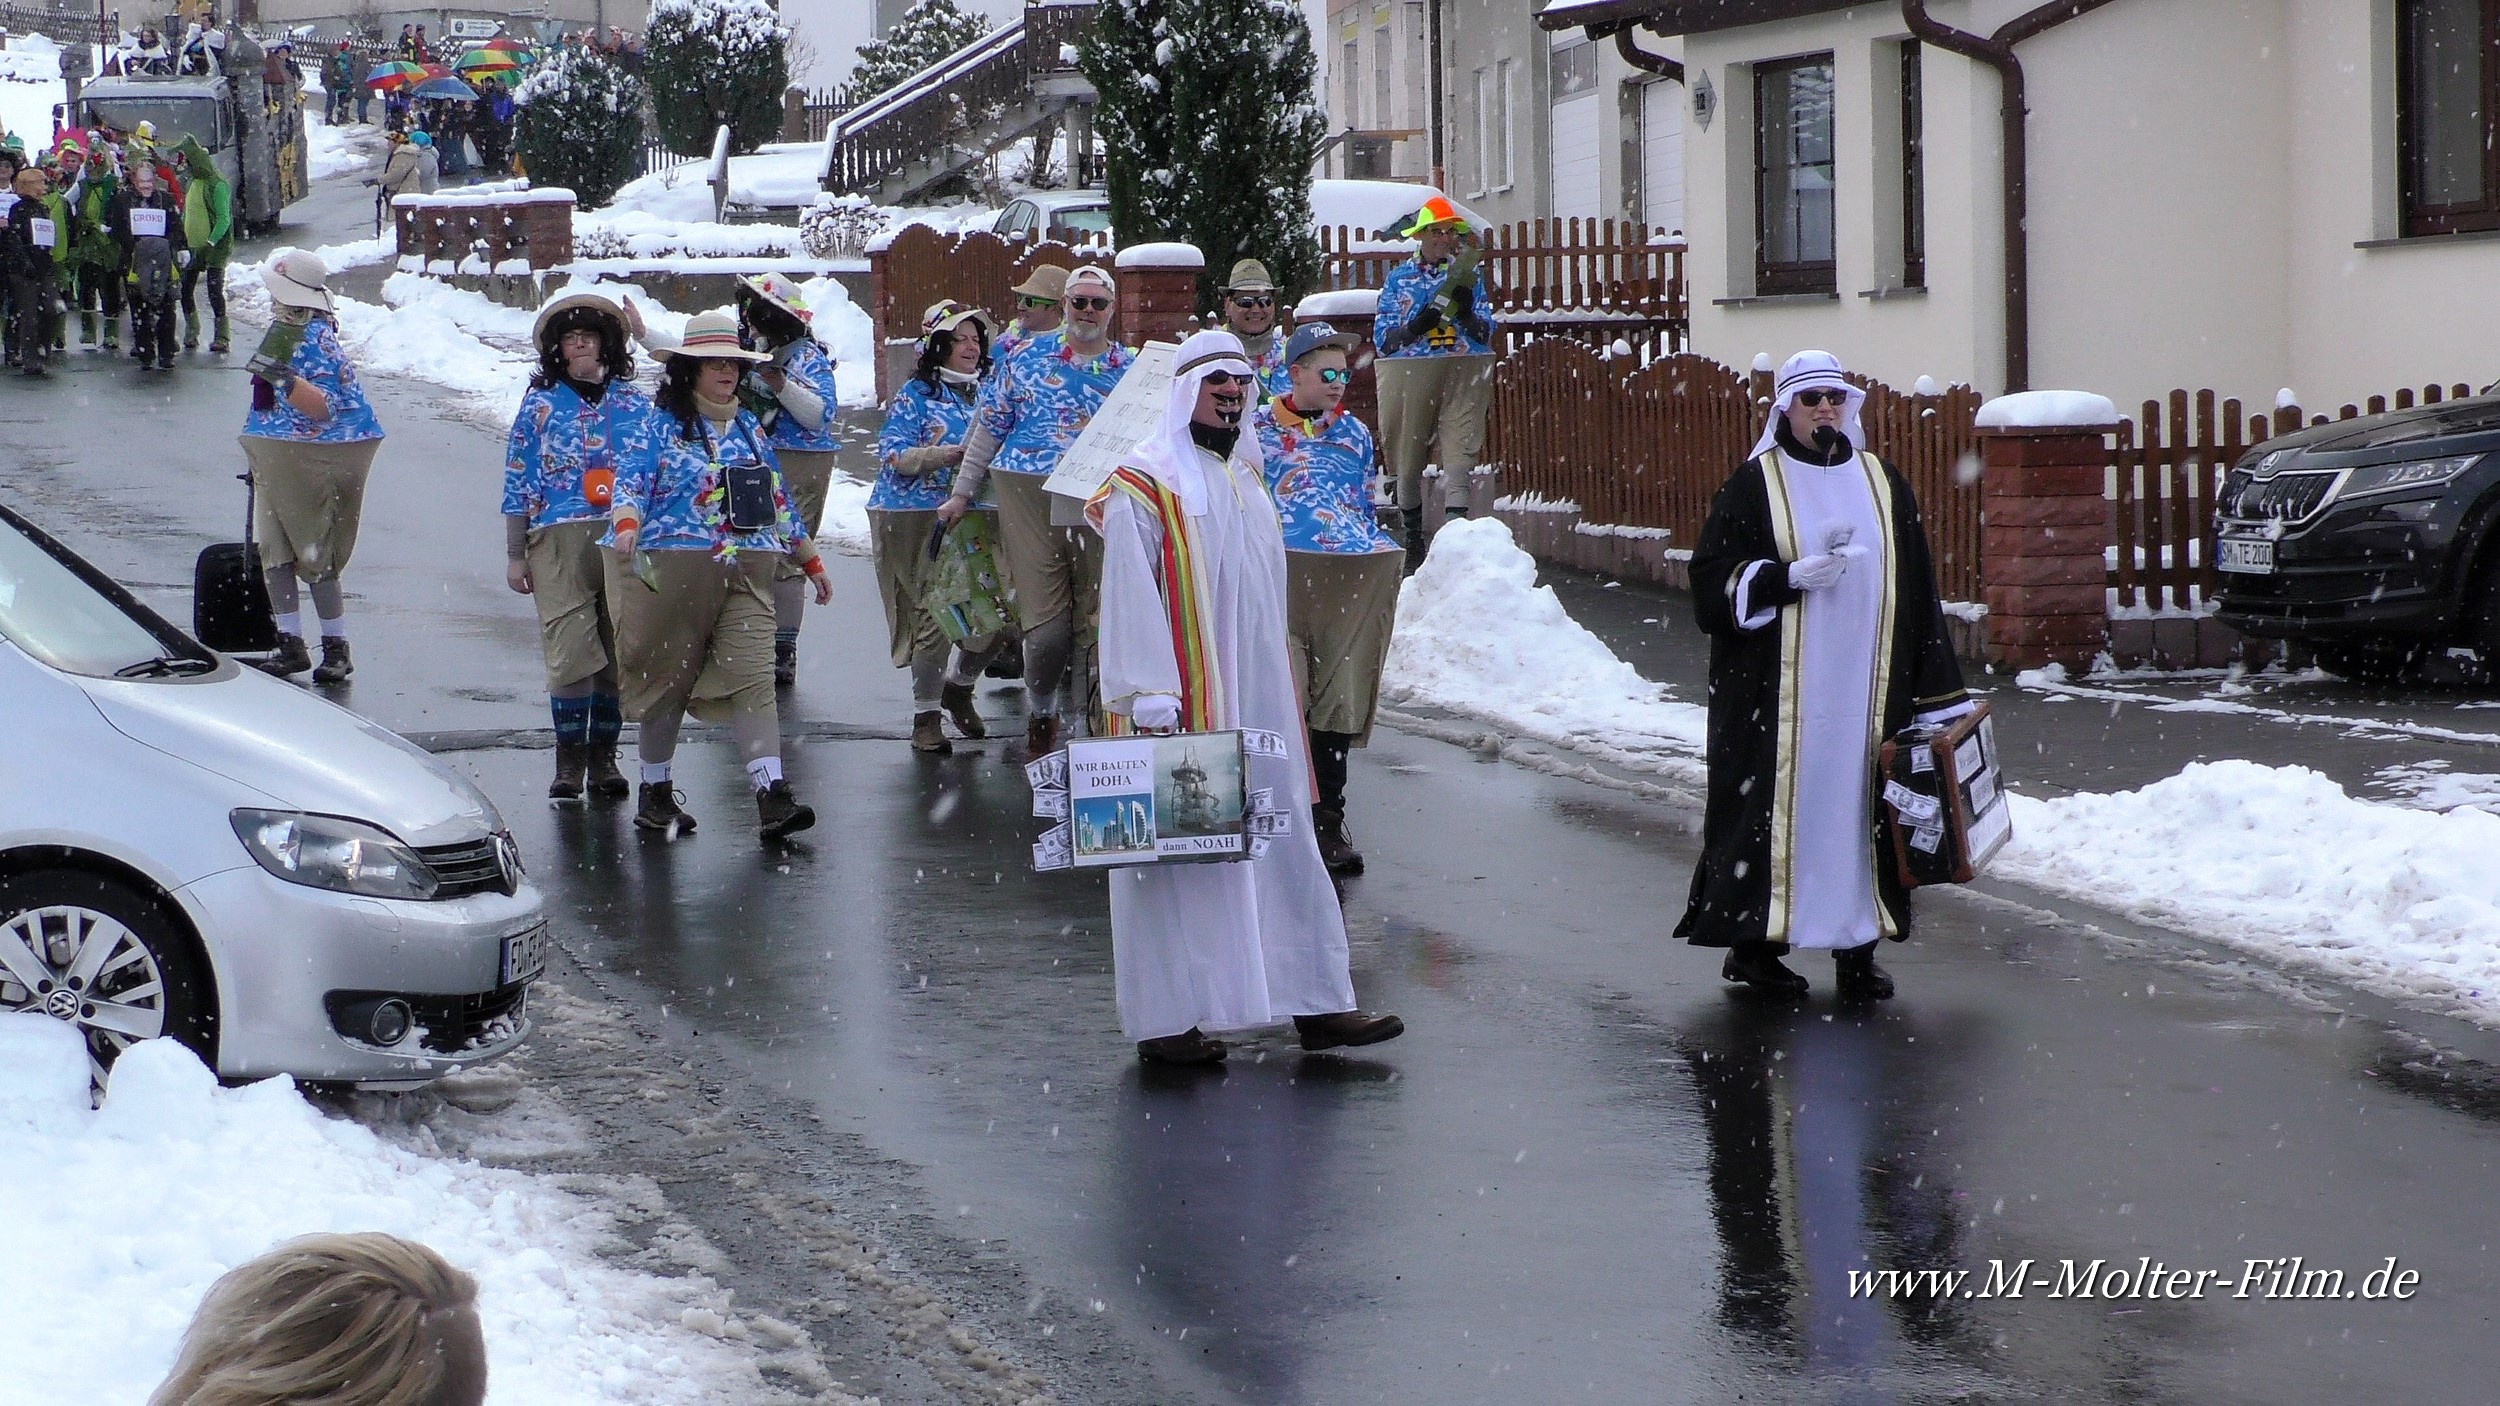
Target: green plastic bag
x,y
963,589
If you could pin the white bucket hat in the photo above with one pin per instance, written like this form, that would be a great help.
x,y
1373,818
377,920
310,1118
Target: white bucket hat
x,y
566,302
295,279
710,336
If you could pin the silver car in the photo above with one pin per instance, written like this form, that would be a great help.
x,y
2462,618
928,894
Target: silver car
x,y
190,848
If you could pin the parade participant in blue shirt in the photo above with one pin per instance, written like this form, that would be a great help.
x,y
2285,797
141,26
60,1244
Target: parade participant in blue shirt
x,y
1030,411
1435,370
1037,310
582,418
310,438
696,532
1341,570
792,396
1250,314
917,451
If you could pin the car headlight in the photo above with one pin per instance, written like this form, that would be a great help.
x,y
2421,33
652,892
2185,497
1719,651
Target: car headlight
x,y
2398,478
330,852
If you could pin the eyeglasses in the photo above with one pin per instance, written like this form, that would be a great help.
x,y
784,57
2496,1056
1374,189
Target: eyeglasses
x,y
1812,399
1253,300
1089,304
1331,375
1225,380
1029,301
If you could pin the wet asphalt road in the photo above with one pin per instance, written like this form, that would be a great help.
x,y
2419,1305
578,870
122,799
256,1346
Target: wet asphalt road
x,y
1587,1173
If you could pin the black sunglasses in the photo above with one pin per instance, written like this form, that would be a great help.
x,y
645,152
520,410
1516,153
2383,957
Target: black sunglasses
x,y
1088,304
1253,300
1812,399
1222,380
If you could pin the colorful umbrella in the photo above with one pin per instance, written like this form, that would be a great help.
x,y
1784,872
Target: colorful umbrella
x,y
395,74
487,61
444,89
505,43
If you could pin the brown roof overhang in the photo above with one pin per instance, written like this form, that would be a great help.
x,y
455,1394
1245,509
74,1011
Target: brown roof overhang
x,y
1670,17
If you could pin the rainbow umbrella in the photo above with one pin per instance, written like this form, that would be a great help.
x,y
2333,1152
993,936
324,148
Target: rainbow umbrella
x,y
479,61
398,73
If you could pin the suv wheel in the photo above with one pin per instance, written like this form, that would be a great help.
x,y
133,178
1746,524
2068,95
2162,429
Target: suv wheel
x,y
102,957
2368,661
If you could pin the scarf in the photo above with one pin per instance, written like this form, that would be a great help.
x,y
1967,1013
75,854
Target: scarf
x,y
953,377
590,391
720,412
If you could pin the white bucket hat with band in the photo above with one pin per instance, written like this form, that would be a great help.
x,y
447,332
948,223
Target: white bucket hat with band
x,y
946,315
563,303
295,279
709,336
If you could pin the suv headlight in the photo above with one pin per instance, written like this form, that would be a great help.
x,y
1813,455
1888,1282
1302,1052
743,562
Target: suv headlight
x,y
2399,478
330,852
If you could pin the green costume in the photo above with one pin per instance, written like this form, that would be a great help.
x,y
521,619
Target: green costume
x,y
208,230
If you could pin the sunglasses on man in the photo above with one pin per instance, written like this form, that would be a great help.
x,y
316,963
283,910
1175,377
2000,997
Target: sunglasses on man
x,y
1226,380
1253,300
1812,400
1089,304
1029,302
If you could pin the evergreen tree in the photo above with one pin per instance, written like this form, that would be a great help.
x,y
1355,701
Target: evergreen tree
x,y
927,32
716,62
1210,127
579,125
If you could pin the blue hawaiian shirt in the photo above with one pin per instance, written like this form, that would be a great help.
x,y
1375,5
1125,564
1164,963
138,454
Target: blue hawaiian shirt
x,y
560,462
918,418
805,362
676,494
320,360
1014,337
1040,399
1320,473
1275,378
1404,292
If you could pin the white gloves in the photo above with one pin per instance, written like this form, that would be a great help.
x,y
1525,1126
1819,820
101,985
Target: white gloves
x,y
1155,712
1817,572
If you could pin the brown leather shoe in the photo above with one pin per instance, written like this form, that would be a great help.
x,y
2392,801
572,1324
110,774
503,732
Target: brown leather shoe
x,y
780,811
1041,735
659,810
1327,1032
1191,1046
291,658
956,699
336,663
928,734
572,771
606,778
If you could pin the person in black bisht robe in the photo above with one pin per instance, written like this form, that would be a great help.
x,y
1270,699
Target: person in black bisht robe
x,y
1812,579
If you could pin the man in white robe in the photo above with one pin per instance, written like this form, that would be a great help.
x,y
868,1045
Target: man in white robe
x,y
1193,640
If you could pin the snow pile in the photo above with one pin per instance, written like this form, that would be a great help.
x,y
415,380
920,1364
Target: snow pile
x,y
176,1180
2045,410
646,238
845,526
30,85
679,193
338,151
1338,302
1165,255
2280,862
1477,636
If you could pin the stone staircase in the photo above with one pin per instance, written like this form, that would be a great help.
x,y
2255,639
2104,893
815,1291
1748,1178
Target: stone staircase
x,y
1016,81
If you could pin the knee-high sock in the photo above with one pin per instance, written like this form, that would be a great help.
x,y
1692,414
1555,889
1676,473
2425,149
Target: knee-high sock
x,y
1047,648
572,719
607,719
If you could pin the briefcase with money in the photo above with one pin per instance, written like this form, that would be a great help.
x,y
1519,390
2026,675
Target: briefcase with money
x,y
1944,806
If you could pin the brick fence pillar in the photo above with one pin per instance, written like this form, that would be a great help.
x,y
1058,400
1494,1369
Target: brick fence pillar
x,y
794,114
1340,310
1158,292
2043,543
879,317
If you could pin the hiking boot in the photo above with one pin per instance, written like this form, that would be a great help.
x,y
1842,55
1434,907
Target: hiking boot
x,y
781,812
1858,978
86,329
1754,964
164,361
606,781
290,658
572,770
335,663
190,334
928,734
785,663
1411,535
1327,1032
956,699
218,341
1191,1046
1344,861
1041,735
659,809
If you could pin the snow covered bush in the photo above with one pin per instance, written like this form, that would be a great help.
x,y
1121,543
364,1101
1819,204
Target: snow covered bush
x,y
840,226
580,125
712,63
927,32
1209,128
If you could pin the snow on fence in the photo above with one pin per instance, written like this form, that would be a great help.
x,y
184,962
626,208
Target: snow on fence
x,y
1596,282
920,266
506,228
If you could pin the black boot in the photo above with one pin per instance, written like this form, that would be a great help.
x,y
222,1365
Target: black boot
x,y
290,659
572,771
779,810
1344,861
1329,756
956,699
785,663
1756,965
606,780
1191,1046
335,663
1859,979
1411,532
1327,1032
658,809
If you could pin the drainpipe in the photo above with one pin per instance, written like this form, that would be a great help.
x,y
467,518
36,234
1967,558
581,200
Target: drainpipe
x,y
1432,41
1997,51
1645,61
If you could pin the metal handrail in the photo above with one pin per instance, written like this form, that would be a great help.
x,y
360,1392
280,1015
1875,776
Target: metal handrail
x,y
883,136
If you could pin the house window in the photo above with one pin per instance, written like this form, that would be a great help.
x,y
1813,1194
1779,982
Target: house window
x,y
1493,137
1913,170
2449,175
1380,78
1793,176
1484,131
1350,59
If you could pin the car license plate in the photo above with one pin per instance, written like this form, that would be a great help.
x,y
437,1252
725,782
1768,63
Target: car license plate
x,y
524,955
2251,555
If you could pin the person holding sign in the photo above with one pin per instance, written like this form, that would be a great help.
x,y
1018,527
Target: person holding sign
x,y
1030,411
1435,369
696,532
1812,579
146,221
1194,640
35,252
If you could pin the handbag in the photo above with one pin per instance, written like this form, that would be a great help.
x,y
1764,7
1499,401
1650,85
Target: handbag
x,y
230,609
750,488
962,588
1944,808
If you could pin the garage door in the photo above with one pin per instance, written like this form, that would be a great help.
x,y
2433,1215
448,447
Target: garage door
x,y
1662,155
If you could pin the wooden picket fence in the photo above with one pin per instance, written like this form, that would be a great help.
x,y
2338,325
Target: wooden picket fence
x,y
2167,473
1646,446
1596,282
976,268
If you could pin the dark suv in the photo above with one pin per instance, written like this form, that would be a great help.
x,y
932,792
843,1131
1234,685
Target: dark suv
x,y
2370,541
